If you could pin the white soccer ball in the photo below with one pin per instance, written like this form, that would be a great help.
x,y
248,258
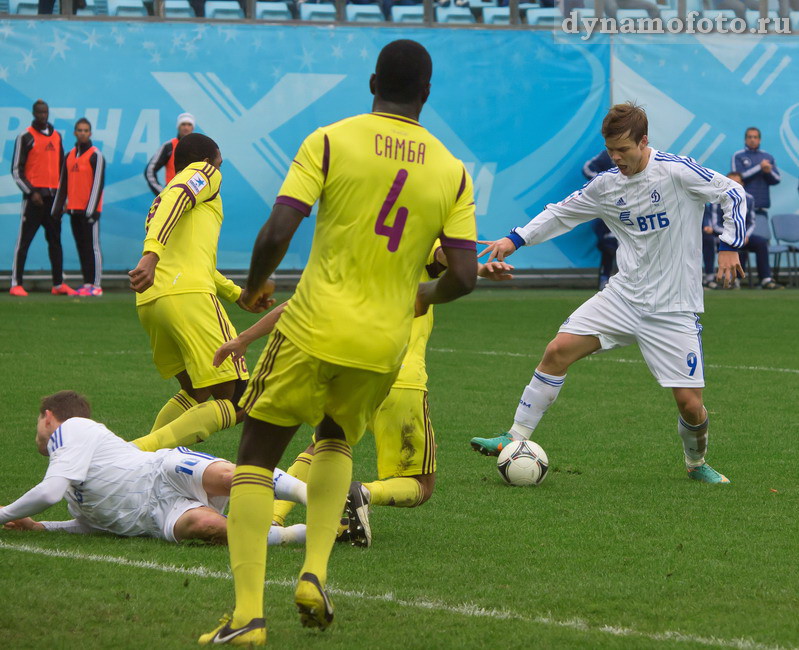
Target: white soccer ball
x,y
523,462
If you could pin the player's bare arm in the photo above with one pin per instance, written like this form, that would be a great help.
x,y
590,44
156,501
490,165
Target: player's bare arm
x,y
258,301
495,271
143,276
238,346
458,280
270,246
26,524
498,249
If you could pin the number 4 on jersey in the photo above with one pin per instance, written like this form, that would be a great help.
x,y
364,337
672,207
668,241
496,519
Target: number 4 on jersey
x,y
394,233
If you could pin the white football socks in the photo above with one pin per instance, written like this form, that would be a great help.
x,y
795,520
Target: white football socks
x,y
694,441
289,535
289,488
537,397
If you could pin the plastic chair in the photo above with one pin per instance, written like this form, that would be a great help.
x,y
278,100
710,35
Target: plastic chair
x,y
407,13
543,16
95,8
322,12
223,9
635,14
126,8
454,15
496,15
786,232
24,7
178,9
272,11
364,14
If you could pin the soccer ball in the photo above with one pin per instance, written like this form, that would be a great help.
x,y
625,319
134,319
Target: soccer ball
x,y
523,462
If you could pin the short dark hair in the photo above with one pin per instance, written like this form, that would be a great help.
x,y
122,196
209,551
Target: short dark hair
x,y
192,148
66,404
403,71
39,102
753,128
83,120
625,118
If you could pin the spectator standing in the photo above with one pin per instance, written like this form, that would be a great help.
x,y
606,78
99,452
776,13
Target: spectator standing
x,y
752,243
710,233
80,192
35,166
606,241
165,157
757,169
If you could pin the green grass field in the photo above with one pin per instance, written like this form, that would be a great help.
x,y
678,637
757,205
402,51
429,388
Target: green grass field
x,y
617,548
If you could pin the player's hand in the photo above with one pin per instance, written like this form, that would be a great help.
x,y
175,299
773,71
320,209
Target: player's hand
x,y
765,167
499,249
729,268
143,276
25,523
259,300
36,199
235,348
708,230
496,271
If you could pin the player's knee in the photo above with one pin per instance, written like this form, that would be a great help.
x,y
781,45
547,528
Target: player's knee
x,y
556,355
428,483
691,407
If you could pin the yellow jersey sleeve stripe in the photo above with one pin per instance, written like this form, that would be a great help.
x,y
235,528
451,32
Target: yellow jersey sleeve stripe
x,y
172,221
326,158
291,202
451,242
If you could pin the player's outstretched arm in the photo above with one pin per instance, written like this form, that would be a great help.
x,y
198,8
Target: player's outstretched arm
x,y
47,493
498,249
26,524
458,280
238,346
270,246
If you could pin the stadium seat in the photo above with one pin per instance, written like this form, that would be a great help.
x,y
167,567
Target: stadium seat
x,y
24,7
496,16
178,9
364,14
621,14
94,8
454,15
729,14
126,8
323,12
272,11
223,9
543,16
795,21
407,14
481,4
786,232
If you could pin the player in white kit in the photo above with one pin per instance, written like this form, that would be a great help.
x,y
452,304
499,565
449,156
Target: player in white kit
x,y
653,202
112,486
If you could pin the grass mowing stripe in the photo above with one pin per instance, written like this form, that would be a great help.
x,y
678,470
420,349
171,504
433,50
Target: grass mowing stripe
x,y
494,353
465,609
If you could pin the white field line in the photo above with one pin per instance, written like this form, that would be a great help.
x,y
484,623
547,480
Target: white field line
x,y
468,610
603,358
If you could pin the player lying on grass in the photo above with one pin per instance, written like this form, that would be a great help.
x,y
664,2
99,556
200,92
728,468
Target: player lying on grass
x,y
177,284
653,202
404,438
112,486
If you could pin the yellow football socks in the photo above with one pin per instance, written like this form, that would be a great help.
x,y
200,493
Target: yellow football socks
x,y
251,498
176,406
401,492
195,425
328,482
299,469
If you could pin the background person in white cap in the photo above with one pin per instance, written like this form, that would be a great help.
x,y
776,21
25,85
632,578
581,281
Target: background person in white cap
x,y
165,156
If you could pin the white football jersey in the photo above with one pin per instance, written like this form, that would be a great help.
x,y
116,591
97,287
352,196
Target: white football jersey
x,y
110,479
657,217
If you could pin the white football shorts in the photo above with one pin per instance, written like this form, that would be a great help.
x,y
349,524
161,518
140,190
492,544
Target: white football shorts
x,y
178,488
670,342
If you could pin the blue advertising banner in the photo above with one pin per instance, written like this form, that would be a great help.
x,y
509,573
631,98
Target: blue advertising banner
x,y
702,92
520,109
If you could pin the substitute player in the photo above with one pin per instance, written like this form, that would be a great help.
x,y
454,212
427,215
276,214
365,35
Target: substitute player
x,y
653,202
403,432
178,284
386,190
111,486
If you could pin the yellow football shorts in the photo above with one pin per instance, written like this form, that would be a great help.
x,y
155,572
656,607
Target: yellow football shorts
x,y
185,331
404,437
290,387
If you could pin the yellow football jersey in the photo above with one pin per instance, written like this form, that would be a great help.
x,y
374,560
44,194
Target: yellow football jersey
x,y
387,189
413,372
183,230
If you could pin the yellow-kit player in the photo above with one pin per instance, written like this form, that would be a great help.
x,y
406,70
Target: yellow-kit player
x,y
386,190
178,290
